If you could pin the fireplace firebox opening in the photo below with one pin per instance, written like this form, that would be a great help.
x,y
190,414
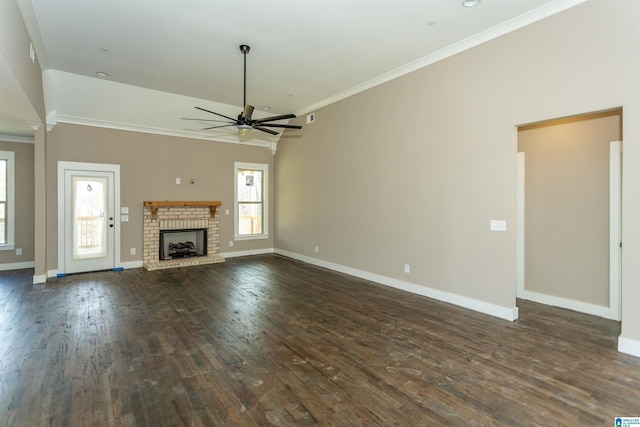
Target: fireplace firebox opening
x,y
182,243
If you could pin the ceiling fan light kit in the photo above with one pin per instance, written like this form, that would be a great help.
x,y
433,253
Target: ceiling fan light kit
x,y
244,122
470,3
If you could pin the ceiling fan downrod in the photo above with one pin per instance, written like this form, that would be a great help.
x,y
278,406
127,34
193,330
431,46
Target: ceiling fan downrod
x,y
245,50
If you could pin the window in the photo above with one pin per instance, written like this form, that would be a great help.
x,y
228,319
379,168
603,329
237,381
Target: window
x,y
6,200
251,196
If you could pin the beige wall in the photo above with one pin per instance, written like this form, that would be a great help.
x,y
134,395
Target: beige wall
x,y
412,171
567,206
149,165
14,47
24,200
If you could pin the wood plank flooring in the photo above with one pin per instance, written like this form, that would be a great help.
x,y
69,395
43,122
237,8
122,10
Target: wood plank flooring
x,y
266,340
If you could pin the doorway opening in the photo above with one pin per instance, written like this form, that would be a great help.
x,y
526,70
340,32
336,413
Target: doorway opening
x,y
569,212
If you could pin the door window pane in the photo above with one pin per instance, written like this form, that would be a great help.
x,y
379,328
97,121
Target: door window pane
x,y
3,201
3,222
90,225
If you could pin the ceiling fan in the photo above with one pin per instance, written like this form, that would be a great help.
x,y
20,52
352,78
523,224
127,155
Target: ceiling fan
x,y
244,121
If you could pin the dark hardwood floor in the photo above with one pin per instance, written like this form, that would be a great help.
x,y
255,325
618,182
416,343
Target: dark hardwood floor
x,y
266,340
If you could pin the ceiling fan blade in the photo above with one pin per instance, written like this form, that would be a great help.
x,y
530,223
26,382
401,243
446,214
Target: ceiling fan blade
x,y
215,127
217,114
275,125
248,111
265,130
271,119
204,120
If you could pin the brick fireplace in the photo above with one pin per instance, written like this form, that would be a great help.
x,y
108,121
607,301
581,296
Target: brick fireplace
x,y
169,215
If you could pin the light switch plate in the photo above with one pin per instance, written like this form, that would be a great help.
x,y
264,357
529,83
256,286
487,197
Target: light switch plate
x,y
124,218
124,210
498,225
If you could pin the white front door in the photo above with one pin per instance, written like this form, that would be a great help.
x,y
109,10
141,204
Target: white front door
x,y
88,227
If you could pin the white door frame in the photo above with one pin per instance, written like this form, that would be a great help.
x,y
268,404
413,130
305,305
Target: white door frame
x,y
615,230
92,167
520,292
614,311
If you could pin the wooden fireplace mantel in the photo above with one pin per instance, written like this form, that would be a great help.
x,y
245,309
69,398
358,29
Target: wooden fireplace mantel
x,y
165,203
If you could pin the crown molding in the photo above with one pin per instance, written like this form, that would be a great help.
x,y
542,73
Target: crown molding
x,y
17,138
161,131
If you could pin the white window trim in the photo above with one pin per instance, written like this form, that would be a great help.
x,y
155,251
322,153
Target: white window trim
x,y
9,156
265,200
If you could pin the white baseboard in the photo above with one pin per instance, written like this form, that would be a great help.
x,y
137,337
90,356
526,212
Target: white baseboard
x,y
39,279
131,264
629,346
17,265
579,306
123,265
505,313
246,253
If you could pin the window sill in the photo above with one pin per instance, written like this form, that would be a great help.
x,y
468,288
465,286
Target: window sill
x,y
7,247
252,237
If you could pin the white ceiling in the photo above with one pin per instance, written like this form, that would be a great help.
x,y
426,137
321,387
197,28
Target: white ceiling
x,y
304,53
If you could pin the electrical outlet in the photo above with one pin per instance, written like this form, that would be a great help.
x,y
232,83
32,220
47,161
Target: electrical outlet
x,y
133,251
230,242
177,180
407,268
226,212
317,249
19,251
